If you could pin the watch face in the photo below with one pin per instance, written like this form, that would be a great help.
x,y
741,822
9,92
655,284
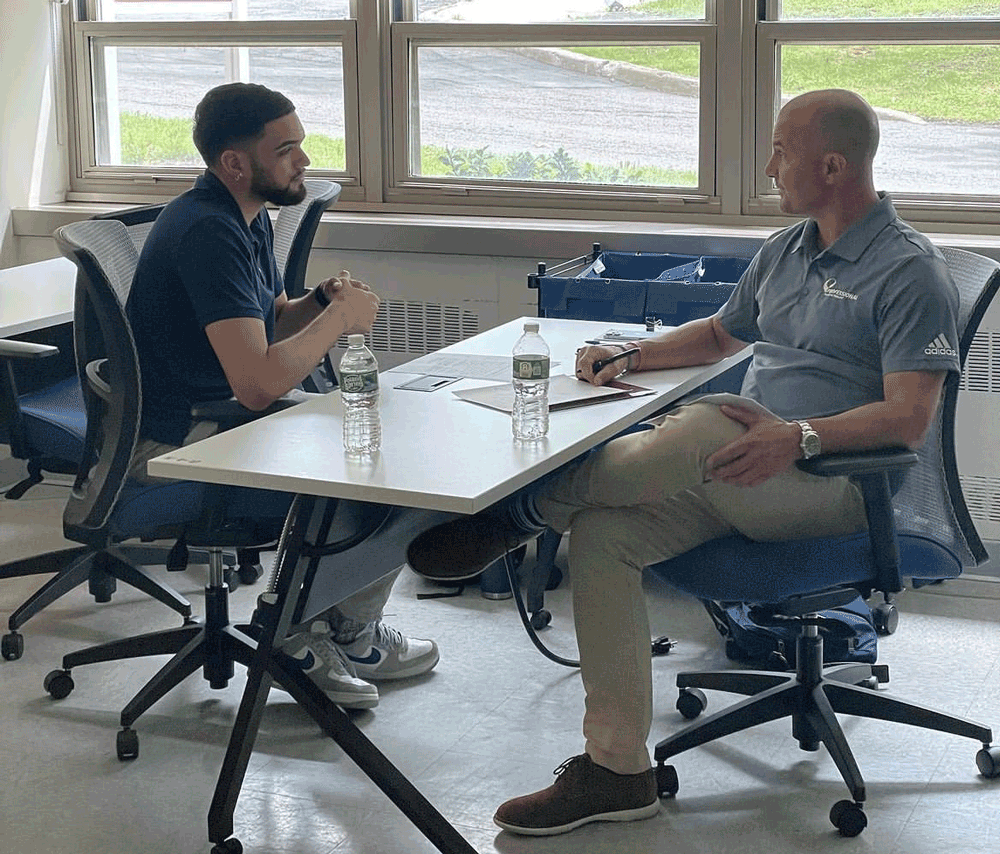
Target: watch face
x,y
810,444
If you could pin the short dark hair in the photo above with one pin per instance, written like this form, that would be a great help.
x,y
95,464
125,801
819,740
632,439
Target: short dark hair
x,y
234,113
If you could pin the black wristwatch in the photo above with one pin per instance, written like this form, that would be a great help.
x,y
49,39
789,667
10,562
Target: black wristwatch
x,y
320,296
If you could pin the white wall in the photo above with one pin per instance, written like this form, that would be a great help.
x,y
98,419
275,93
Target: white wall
x,y
33,166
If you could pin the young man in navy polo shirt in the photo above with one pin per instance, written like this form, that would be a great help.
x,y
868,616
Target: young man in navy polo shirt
x,y
852,315
211,321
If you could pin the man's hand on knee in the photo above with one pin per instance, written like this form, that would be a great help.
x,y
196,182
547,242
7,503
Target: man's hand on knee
x,y
769,447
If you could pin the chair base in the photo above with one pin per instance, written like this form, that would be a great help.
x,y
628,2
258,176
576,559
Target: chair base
x,y
812,697
102,570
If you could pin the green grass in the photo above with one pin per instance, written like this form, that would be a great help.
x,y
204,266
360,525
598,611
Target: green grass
x,y
677,9
153,141
559,166
680,59
959,83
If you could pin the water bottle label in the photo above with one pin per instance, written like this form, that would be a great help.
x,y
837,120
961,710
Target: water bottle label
x,y
531,367
359,383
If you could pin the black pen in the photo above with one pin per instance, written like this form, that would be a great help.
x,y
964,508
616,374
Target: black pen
x,y
601,364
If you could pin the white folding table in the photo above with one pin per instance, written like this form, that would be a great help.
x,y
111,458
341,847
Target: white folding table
x,y
440,456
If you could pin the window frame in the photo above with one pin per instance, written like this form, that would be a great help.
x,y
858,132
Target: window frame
x,y
407,37
90,181
770,35
739,42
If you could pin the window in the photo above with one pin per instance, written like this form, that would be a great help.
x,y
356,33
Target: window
x,y
635,109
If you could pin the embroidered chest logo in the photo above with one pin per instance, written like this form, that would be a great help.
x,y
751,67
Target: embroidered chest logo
x,y
830,289
940,347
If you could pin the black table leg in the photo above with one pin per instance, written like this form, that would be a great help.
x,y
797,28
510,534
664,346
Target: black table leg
x,y
272,621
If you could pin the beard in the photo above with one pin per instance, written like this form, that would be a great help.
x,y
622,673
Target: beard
x,y
262,187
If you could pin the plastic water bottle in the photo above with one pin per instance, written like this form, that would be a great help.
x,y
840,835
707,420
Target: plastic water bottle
x,y
359,391
530,416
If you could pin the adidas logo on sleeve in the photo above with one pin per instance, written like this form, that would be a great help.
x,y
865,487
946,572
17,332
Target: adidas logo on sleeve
x,y
940,347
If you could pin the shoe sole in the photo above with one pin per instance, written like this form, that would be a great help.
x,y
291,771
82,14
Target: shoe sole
x,y
618,815
345,701
417,669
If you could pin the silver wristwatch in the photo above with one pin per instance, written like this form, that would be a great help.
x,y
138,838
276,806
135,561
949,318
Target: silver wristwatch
x,y
809,443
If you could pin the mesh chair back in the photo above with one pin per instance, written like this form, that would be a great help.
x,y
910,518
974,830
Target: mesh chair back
x,y
106,260
930,502
138,222
294,230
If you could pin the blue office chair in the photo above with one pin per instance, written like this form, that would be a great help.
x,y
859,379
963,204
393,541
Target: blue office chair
x,y
918,528
106,508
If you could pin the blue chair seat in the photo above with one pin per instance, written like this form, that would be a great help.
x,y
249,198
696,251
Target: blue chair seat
x,y
737,569
55,419
145,510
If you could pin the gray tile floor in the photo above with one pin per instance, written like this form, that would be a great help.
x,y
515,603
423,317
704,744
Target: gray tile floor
x,y
490,722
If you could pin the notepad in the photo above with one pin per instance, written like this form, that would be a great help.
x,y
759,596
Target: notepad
x,y
565,392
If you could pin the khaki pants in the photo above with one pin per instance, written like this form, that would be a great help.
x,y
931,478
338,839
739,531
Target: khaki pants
x,y
644,498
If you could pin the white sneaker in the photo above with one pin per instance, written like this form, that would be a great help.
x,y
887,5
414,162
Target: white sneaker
x,y
382,652
324,662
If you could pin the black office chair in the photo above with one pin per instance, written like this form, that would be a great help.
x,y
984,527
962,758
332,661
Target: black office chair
x,y
294,230
105,507
918,528
46,426
58,423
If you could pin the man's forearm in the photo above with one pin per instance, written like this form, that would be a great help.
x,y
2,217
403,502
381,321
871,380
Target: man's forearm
x,y
697,342
289,360
875,425
296,315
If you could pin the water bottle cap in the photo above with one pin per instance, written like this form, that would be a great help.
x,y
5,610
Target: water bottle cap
x,y
531,327
356,340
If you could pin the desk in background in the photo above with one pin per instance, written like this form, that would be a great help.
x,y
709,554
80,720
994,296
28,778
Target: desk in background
x,y
36,304
440,455
36,296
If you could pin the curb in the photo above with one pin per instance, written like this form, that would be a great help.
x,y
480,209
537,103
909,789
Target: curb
x,y
650,78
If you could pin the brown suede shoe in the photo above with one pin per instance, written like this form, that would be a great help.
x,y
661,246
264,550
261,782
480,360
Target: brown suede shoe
x,y
463,548
583,792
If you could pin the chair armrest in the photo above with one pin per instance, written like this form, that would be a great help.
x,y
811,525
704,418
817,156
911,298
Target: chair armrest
x,y
859,462
25,350
872,471
230,412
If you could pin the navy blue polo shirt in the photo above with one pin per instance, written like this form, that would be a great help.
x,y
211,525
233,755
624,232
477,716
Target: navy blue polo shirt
x,y
828,324
200,263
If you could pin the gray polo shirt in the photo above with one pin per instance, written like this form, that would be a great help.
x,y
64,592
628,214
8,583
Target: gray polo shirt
x,y
827,325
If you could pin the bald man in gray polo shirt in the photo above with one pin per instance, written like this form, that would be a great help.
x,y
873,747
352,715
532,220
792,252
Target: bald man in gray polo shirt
x,y
852,315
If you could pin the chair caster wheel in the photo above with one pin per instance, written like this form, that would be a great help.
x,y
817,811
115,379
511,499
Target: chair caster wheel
x,y
885,617
540,619
691,702
848,817
59,684
127,744
988,761
230,846
249,573
12,646
232,579
666,781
